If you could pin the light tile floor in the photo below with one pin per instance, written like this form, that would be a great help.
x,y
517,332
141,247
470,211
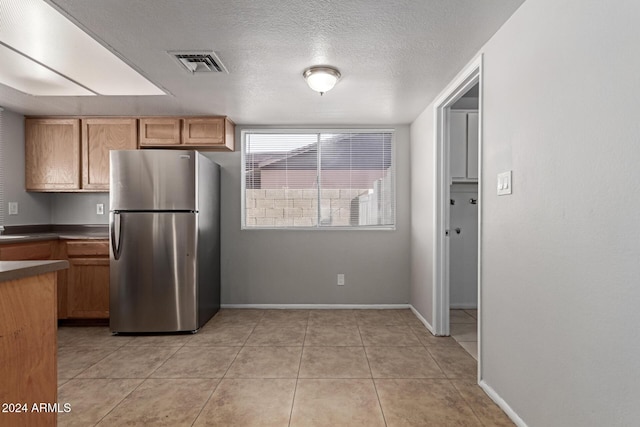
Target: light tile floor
x,y
274,368
464,329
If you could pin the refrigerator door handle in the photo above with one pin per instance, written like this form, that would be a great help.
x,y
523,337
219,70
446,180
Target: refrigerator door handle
x,y
116,245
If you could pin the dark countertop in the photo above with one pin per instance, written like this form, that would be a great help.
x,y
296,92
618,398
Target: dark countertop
x,y
13,270
21,238
21,234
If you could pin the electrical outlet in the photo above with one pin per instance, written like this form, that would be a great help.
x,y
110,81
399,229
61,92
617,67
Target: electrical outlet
x,y
100,209
13,208
340,279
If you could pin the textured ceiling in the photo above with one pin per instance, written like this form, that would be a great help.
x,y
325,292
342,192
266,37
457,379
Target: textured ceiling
x,y
394,56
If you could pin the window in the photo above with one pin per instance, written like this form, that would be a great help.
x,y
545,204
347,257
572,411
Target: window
x,y
299,179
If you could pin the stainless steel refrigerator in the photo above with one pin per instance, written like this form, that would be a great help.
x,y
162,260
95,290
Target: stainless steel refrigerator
x,y
164,225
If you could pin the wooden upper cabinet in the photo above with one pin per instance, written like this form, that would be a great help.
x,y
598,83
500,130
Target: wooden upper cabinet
x,y
206,133
203,131
209,132
67,154
52,154
156,131
99,136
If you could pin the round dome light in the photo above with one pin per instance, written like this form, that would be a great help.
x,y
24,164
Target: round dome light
x,y
321,79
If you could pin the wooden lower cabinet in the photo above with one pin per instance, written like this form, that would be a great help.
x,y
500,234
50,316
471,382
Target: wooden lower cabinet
x,y
38,251
31,251
28,344
83,289
88,288
87,279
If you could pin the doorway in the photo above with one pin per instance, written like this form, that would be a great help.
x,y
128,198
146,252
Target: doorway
x,y
463,220
447,166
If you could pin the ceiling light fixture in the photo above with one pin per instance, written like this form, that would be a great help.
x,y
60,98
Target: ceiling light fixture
x,y
321,78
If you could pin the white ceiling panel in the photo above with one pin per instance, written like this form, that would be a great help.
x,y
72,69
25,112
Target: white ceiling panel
x,y
34,79
38,31
394,56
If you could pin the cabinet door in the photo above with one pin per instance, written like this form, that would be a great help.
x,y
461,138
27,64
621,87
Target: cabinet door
x,y
99,136
203,131
52,154
88,288
458,144
26,251
472,145
159,131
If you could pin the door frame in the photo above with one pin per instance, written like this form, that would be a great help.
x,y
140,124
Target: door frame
x,y
468,77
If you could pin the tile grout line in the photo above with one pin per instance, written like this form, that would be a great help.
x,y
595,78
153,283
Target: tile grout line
x,y
205,403
431,355
165,361
467,402
364,348
76,375
121,400
76,378
138,386
238,353
224,375
295,388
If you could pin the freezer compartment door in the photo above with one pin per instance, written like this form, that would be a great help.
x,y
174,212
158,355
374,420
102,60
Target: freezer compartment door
x,y
153,180
153,280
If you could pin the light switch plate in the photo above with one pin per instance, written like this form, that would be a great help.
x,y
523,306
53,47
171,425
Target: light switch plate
x,y
504,183
100,208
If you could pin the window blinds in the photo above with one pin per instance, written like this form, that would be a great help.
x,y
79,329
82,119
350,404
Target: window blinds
x,y
318,179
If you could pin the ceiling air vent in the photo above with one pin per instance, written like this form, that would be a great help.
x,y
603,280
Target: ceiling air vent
x,y
200,61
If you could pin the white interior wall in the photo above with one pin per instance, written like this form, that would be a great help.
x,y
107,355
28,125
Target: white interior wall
x,y
33,208
422,213
560,256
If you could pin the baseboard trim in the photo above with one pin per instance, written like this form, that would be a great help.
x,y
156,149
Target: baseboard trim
x,y
422,319
319,306
502,404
